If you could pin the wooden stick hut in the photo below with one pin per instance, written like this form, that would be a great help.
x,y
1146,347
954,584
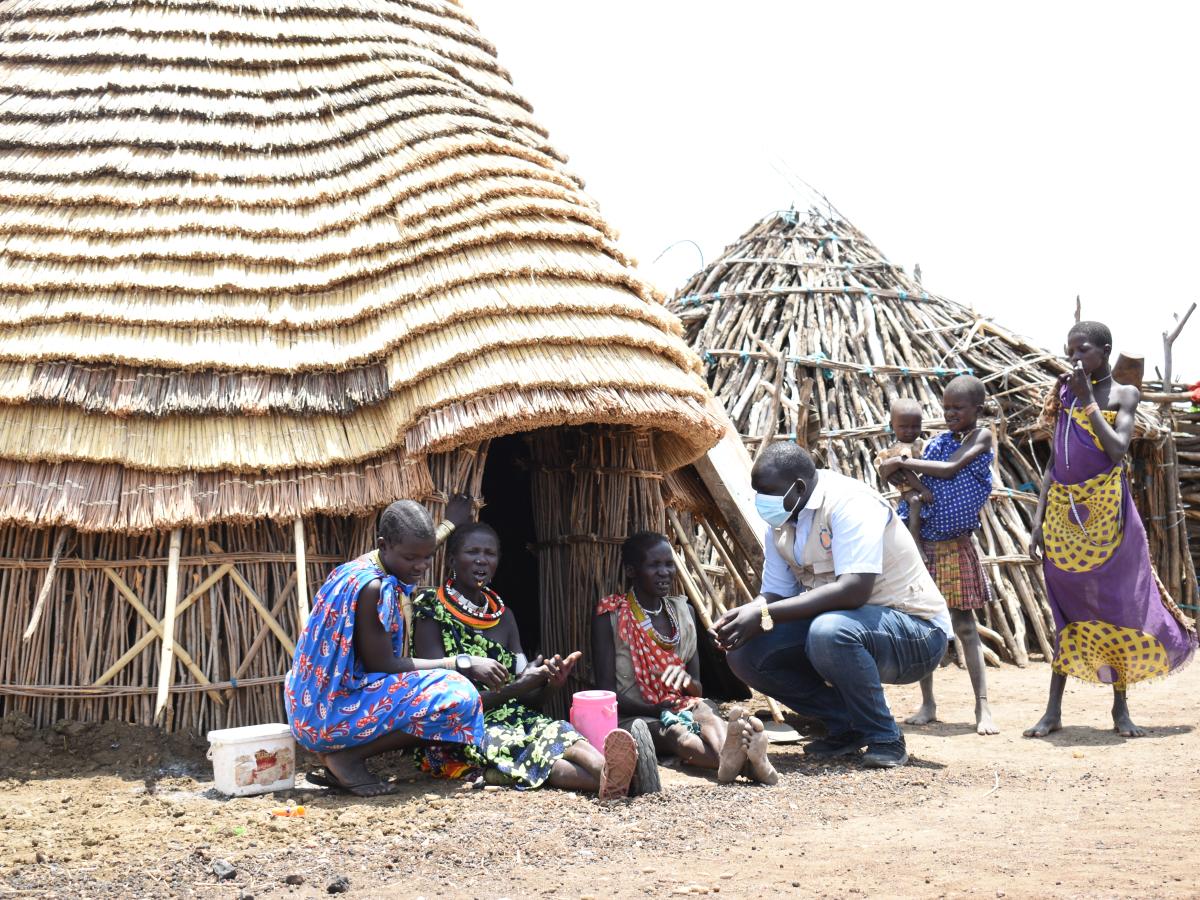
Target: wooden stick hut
x,y
808,332
1178,523
269,265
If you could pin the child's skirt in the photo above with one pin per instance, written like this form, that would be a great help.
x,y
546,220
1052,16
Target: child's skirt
x,y
957,571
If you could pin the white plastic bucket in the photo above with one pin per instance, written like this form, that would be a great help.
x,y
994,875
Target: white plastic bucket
x,y
256,759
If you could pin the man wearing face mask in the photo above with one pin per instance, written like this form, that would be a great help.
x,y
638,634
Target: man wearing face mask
x,y
846,605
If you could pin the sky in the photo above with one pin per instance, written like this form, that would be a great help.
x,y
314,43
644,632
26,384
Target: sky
x,y
1023,153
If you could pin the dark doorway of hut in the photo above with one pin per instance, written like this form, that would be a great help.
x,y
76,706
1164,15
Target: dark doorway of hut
x,y
507,488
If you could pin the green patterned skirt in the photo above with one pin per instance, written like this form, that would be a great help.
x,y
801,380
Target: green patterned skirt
x,y
521,744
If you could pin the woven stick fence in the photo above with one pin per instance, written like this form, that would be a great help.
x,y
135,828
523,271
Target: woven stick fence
x,y
592,487
1173,524
94,654
809,333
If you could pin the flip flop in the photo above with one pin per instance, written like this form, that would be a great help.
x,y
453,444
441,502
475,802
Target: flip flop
x,y
620,762
325,778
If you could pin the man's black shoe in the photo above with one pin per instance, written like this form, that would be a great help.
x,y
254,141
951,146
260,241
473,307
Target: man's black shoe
x,y
844,744
886,755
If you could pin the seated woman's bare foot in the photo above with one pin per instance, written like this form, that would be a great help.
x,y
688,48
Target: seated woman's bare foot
x,y
1124,725
350,773
1047,724
736,746
758,766
923,716
983,718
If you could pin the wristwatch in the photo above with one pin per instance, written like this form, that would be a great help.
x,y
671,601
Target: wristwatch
x,y
767,622
462,662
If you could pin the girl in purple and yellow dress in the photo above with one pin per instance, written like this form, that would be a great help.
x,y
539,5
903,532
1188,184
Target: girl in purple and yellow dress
x,y
1114,625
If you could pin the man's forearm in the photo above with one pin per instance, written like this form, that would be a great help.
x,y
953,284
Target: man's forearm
x,y
828,597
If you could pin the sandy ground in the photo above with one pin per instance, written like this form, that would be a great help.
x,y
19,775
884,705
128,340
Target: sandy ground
x,y
113,811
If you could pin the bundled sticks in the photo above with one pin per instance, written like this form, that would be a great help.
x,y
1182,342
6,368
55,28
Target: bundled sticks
x,y
1167,489
809,334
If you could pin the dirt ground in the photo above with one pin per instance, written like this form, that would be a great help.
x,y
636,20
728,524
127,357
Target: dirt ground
x,y
115,811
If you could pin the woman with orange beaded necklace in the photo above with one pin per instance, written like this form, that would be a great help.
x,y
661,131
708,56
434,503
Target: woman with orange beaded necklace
x,y
521,746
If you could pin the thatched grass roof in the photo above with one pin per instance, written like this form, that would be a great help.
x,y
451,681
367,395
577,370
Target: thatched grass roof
x,y
260,257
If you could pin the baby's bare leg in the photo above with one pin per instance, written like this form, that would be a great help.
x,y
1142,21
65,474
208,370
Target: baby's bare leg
x,y
913,482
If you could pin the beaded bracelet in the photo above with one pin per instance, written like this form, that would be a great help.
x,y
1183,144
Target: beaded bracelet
x,y
1091,408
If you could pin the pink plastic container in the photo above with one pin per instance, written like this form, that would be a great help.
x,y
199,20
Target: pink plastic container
x,y
594,715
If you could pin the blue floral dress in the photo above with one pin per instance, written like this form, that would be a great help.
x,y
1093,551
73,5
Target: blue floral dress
x,y
333,702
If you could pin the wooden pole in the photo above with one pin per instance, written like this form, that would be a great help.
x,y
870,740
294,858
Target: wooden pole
x,y
1169,338
301,576
44,593
166,667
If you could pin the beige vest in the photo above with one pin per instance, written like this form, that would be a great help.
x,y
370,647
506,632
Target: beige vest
x,y
905,583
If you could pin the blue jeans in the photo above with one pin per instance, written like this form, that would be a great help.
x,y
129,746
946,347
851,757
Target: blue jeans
x,y
833,666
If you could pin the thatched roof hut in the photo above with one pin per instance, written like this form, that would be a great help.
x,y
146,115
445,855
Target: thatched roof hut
x,y
808,332
269,265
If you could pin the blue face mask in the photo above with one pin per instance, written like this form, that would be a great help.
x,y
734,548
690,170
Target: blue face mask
x,y
773,509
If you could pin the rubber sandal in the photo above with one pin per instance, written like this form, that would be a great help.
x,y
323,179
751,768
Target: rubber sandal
x,y
620,762
324,777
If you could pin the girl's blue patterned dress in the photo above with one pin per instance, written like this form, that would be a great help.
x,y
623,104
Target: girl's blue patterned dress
x,y
958,500
333,703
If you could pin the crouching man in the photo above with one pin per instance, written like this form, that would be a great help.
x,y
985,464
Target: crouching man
x,y
847,604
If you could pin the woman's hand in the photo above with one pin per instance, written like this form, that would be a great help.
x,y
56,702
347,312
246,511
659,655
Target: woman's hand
x,y
458,510
677,679
1079,383
738,626
487,672
560,669
533,677
1037,541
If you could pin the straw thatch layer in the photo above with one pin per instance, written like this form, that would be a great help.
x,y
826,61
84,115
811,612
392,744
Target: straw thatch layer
x,y
280,441
283,243
112,496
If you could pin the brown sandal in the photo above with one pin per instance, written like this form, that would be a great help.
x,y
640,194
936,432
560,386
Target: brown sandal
x,y
620,762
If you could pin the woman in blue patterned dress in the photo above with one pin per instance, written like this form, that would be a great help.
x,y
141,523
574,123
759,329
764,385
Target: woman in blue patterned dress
x,y
352,693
